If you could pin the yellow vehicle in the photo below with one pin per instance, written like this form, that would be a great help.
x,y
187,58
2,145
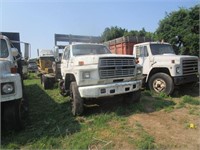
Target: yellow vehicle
x,y
47,68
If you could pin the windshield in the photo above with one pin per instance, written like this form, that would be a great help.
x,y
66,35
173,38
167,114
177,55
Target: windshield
x,y
3,49
160,49
89,49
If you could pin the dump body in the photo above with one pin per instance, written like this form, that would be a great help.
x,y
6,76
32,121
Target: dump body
x,y
124,45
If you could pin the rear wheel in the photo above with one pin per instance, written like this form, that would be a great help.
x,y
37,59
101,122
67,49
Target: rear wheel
x,y
161,82
45,82
77,101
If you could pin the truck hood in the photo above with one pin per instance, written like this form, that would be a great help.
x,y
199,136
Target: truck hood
x,y
94,59
5,66
170,57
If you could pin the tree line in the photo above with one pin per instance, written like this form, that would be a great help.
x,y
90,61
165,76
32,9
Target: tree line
x,y
179,28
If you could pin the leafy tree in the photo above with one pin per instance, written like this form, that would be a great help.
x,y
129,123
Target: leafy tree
x,y
115,32
181,29
112,33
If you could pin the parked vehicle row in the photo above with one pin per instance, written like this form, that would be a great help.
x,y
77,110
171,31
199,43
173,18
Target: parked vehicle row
x,y
88,69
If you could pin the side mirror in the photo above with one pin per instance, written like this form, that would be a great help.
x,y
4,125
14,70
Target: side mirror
x,y
14,52
56,48
26,50
56,52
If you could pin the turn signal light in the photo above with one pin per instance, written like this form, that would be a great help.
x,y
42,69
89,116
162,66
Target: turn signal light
x,y
81,63
136,60
13,70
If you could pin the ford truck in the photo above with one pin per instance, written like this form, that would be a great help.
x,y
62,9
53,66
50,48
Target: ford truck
x,y
11,80
90,70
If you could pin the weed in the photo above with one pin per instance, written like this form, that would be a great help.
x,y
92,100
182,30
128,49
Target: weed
x,y
160,104
194,111
169,109
163,95
190,100
137,124
147,93
13,146
141,138
146,141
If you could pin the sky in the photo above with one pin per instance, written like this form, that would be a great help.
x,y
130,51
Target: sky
x,y
38,20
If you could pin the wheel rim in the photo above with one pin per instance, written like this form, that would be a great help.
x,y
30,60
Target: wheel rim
x,y
159,85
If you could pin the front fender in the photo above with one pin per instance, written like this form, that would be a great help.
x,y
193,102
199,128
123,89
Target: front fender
x,y
16,79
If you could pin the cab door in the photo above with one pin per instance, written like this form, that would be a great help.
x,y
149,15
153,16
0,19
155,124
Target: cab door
x,y
65,61
143,57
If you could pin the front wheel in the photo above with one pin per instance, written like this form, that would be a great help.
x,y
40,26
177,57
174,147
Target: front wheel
x,y
161,82
77,101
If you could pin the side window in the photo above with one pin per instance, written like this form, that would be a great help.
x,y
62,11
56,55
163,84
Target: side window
x,y
3,49
137,51
141,51
145,54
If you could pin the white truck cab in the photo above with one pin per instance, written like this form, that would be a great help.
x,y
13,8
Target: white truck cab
x,y
90,71
162,68
8,78
11,93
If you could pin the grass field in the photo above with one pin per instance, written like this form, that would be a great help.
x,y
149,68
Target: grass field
x,y
157,122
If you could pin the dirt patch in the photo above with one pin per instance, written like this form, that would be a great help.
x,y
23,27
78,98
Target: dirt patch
x,y
171,129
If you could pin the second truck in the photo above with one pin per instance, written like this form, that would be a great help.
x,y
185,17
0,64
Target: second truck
x,y
163,70
90,70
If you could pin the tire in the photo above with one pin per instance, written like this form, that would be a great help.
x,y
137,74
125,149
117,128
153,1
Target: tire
x,y
62,90
77,101
12,115
132,97
161,82
45,82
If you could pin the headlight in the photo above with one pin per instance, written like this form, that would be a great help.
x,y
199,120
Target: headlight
x,y
178,70
86,75
7,88
139,71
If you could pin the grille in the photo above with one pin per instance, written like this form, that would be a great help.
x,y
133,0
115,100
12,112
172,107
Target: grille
x,y
113,67
190,66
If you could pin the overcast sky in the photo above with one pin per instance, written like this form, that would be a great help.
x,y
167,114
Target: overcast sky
x,y
38,20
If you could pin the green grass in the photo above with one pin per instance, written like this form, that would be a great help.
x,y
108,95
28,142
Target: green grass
x,y
194,111
51,125
190,100
144,140
186,99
